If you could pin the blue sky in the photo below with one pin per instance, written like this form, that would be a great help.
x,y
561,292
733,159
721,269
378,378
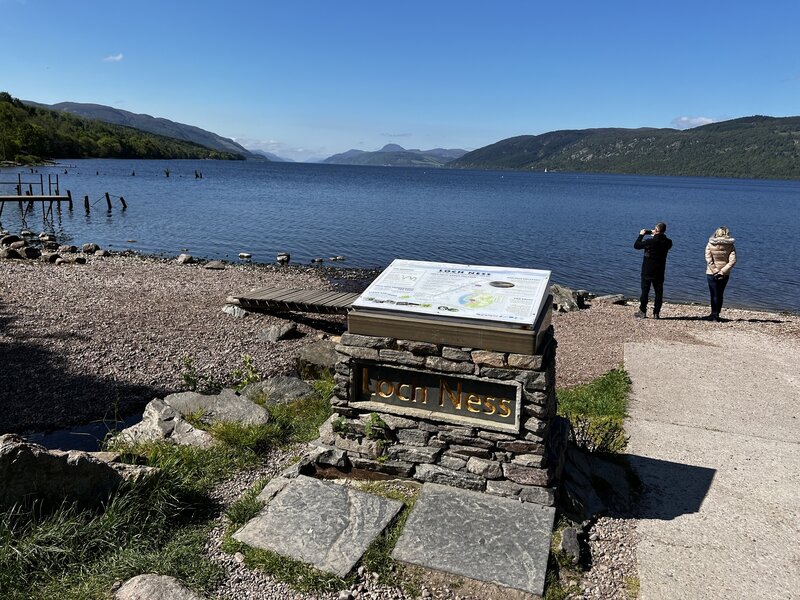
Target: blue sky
x,y
307,79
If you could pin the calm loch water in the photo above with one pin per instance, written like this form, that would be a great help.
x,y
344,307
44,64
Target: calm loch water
x,y
580,226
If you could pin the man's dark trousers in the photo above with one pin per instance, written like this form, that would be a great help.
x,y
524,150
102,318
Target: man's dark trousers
x,y
658,288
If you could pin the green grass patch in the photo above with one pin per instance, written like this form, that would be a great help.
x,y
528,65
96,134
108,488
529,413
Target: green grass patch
x,y
158,525
79,554
597,411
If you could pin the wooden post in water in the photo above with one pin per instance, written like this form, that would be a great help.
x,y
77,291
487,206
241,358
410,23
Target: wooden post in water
x,y
86,204
69,195
124,204
108,201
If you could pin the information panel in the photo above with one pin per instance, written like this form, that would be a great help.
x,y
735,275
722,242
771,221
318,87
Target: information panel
x,y
501,295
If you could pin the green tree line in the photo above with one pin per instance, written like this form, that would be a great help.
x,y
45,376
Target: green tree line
x,y
31,134
755,147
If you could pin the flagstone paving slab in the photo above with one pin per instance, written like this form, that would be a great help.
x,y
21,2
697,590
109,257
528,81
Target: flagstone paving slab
x,y
486,538
326,525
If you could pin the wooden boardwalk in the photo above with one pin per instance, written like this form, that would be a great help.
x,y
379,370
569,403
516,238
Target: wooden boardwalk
x,y
272,299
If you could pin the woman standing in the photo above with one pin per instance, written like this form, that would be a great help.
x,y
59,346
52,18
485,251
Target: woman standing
x,y
720,258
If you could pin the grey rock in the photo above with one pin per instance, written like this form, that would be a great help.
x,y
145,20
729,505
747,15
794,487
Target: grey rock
x,y
421,348
413,437
438,363
323,524
531,362
226,406
489,359
332,457
468,451
18,245
281,389
358,352
10,253
215,265
274,485
546,496
102,253
234,311
488,469
90,248
569,544
611,299
283,258
459,479
29,471
185,259
9,239
525,475
68,249
508,541
564,299
366,341
316,359
401,357
161,422
454,463
415,454
388,467
456,354
279,332
154,587
503,487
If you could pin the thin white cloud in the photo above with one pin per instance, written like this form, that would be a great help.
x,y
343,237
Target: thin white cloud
x,y
689,122
114,58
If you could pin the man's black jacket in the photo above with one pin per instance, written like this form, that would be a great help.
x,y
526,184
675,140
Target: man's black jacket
x,y
655,255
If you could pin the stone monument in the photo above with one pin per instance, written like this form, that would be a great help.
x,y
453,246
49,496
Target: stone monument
x,y
447,375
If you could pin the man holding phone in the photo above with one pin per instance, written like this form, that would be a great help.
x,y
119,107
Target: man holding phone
x,y
654,264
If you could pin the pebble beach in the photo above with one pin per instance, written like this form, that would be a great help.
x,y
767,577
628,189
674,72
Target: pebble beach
x,y
98,341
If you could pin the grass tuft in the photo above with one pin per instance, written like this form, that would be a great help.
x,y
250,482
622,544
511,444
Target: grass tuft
x,y
597,411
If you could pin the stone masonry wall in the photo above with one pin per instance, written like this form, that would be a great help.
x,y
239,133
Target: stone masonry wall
x,y
524,464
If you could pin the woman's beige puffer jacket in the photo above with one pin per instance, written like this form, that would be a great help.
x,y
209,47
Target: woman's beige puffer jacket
x,y
720,255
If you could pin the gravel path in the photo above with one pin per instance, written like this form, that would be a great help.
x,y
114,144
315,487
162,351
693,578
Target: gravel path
x,y
84,342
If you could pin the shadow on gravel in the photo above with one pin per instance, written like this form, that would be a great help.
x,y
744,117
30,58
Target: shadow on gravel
x,y
666,489
723,320
38,392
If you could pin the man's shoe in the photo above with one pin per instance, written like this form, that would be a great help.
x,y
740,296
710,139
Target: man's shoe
x,y
640,315
656,316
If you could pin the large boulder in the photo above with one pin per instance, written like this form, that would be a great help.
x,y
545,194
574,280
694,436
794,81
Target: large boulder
x,y
10,253
162,422
226,406
154,587
314,360
31,472
282,331
278,390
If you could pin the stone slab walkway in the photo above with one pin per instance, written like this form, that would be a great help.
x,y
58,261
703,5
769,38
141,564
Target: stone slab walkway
x,y
481,537
326,525
715,437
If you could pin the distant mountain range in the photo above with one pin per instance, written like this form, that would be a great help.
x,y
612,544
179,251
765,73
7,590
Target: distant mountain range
x,y
157,125
393,155
270,156
750,147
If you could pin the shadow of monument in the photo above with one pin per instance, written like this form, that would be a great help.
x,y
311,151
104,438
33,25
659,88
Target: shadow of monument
x,y
667,490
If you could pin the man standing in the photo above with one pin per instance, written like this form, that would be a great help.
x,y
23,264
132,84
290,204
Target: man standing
x,y
653,265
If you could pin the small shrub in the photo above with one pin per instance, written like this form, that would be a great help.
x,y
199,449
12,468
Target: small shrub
x,y
375,427
246,374
194,381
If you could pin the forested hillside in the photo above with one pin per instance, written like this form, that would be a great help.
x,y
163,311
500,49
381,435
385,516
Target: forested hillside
x,y
751,147
31,134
